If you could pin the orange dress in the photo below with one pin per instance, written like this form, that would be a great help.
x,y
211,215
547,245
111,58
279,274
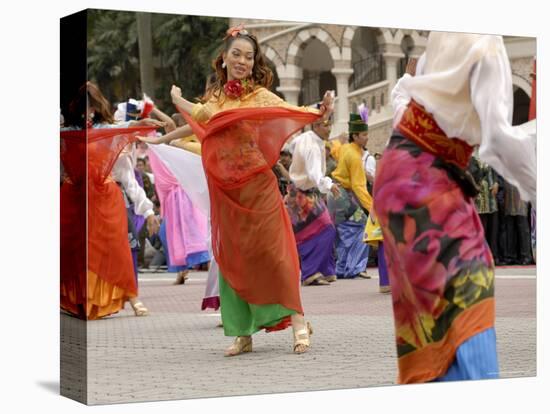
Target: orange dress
x,y
96,264
252,237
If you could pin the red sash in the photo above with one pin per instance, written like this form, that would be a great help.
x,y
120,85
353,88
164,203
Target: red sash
x,y
419,126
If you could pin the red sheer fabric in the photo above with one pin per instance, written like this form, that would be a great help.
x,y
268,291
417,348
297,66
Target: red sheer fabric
x,y
252,237
92,206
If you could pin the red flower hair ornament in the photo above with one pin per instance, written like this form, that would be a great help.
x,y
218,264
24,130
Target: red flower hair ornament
x,y
234,31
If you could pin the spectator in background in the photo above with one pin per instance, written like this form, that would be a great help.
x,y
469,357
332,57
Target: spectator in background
x,y
369,163
501,238
486,201
148,187
178,120
144,168
141,150
147,184
281,170
147,169
517,243
138,184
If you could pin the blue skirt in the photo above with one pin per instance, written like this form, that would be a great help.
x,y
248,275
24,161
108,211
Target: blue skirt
x,y
192,259
475,359
352,254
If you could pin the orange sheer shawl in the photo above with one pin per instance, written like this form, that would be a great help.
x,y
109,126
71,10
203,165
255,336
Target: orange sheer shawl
x,y
252,237
88,157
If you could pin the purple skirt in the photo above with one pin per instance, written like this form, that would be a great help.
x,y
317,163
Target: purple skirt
x,y
314,231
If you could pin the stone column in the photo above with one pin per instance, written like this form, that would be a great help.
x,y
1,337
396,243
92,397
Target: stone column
x,y
290,78
341,111
391,67
290,87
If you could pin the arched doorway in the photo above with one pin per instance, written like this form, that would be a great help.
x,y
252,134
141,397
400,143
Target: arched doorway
x,y
407,46
521,106
276,82
317,76
366,60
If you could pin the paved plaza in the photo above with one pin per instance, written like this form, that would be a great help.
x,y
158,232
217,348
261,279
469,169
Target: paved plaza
x,y
177,351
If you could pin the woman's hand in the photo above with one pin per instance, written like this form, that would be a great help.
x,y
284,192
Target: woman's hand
x,y
149,140
180,101
411,66
175,93
148,122
180,132
170,126
335,191
327,106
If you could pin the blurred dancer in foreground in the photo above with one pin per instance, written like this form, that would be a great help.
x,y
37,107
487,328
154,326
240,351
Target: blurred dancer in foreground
x,y
441,269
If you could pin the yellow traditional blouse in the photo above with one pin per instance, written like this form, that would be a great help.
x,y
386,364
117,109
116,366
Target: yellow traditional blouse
x,y
258,98
240,153
351,175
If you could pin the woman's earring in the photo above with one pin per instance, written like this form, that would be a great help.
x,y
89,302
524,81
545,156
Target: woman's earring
x,y
223,65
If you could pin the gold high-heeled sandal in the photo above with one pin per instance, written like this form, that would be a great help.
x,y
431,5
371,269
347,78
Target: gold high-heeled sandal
x,y
241,345
140,309
301,339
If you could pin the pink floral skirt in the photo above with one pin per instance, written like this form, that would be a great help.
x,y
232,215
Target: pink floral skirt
x,y
440,267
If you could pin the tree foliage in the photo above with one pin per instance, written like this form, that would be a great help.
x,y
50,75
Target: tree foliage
x,y
183,49
113,53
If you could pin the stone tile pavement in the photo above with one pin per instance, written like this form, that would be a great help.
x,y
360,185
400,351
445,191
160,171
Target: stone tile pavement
x,y
177,351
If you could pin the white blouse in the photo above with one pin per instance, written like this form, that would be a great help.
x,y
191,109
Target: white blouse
x,y
369,163
511,151
123,172
308,166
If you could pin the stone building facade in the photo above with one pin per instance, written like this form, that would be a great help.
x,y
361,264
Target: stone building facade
x,y
362,64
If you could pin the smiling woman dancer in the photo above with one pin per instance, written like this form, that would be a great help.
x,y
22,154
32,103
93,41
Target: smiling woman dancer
x,y
243,126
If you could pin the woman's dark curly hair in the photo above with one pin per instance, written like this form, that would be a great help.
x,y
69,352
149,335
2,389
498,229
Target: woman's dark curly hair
x,y
261,73
89,92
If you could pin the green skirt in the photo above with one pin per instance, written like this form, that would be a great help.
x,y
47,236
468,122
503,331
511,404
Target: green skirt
x,y
241,318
